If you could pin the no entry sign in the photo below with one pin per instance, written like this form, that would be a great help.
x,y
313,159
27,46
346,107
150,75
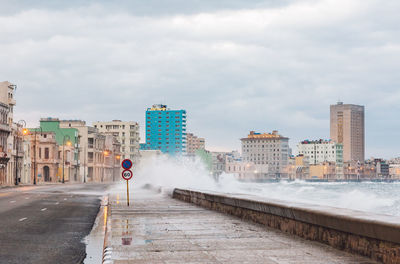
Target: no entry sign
x,y
127,175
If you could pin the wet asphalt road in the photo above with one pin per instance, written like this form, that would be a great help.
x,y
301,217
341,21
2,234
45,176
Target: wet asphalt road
x,y
46,224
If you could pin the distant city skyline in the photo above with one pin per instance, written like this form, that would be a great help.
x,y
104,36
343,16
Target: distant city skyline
x,y
235,66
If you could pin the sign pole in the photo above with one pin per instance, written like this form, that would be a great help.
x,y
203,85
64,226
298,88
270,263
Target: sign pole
x,y
127,175
127,191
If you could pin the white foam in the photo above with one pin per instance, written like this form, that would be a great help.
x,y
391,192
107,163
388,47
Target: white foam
x,y
183,172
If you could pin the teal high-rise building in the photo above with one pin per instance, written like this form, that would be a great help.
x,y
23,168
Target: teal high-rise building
x,y
165,130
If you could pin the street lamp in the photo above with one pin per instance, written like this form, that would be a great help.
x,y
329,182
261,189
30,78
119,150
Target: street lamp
x,y
34,164
106,153
117,157
69,144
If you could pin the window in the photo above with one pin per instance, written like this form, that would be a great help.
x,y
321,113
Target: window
x,y
46,153
40,153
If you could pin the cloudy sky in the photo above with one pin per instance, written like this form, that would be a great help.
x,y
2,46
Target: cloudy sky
x,y
234,65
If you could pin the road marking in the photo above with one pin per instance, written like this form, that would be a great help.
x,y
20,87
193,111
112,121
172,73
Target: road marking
x,y
44,209
12,201
57,203
65,199
26,198
22,219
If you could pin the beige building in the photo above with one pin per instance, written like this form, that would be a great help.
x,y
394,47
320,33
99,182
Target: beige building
x,y
269,149
98,152
26,169
347,128
15,152
194,143
46,160
5,129
127,134
10,159
247,171
112,156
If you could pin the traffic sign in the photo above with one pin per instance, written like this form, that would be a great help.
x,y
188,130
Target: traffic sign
x,y
127,175
127,164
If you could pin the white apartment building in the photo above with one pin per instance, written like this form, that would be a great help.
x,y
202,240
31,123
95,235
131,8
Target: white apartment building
x,y
127,134
319,151
269,149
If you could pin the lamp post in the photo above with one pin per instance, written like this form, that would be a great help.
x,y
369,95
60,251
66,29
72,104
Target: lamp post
x,y
69,144
34,154
106,153
117,157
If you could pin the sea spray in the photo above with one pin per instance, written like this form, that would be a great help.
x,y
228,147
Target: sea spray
x,y
183,172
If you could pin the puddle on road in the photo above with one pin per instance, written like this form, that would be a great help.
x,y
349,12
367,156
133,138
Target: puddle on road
x,y
95,240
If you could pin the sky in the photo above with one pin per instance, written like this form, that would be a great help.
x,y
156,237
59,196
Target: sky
x,y
234,65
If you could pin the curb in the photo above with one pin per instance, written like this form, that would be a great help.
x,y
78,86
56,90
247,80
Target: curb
x,y
107,249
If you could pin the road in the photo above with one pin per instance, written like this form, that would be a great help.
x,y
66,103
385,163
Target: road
x,y
47,224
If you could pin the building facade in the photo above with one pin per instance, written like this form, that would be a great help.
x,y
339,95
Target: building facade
x,y
112,158
165,130
347,128
269,149
9,137
67,139
15,152
319,151
194,143
45,157
5,130
26,176
127,134
94,151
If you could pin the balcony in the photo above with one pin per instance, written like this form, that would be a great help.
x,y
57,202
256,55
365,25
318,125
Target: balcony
x,y
4,127
11,101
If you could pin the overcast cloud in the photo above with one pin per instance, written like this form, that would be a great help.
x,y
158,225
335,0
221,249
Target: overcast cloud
x,y
235,66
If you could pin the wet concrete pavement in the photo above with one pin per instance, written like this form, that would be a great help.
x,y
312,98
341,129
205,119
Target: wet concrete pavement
x,y
47,224
159,229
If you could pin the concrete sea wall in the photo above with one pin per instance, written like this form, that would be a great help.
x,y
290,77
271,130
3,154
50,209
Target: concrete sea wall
x,y
371,235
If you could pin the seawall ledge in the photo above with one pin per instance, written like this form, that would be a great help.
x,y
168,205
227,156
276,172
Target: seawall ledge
x,y
374,235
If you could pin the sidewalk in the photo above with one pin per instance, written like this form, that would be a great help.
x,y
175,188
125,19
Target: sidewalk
x,y
159,229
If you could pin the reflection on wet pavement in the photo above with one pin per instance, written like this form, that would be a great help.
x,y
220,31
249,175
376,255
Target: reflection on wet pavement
x,y
159,229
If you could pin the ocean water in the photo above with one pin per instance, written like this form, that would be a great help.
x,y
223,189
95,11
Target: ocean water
x,y
381,198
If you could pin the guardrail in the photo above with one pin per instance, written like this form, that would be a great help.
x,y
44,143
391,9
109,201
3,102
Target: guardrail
x,y
366,234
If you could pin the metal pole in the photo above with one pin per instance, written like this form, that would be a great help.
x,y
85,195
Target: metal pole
x,y
16,159
127,192
34,163
84,165
63,160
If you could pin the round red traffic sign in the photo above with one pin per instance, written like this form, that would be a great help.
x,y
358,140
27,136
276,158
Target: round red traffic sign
x,y
127,175
127,164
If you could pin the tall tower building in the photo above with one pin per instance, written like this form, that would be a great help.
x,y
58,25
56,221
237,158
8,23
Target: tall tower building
x,y
165,130
347,128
